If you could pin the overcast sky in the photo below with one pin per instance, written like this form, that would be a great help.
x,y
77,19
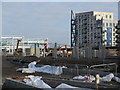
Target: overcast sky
x,y
46,19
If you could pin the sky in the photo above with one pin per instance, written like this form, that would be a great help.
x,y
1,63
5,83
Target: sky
x,y
46,19
60,0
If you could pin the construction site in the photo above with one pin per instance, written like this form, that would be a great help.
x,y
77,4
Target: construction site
x,y
58,65
92,61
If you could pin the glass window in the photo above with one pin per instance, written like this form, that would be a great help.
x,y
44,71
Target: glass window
x,y
113,34
114,39
106,24
110,24
106,16
110,16
114,24
113,29
114,43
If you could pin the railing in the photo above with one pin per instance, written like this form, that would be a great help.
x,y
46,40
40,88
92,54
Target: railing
x,y
118,31
118,41
98,25
111,64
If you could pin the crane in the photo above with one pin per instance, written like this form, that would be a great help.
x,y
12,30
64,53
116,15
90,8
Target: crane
x,y
16,50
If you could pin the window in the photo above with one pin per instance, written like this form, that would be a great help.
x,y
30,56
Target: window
x,y
114,39
106,16
110,16
106,24
113,34
114,43
113,29
110,24
113,24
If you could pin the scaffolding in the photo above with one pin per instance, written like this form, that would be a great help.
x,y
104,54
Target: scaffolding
x,y
73,30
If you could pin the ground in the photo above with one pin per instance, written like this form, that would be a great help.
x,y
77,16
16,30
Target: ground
x,y
9,69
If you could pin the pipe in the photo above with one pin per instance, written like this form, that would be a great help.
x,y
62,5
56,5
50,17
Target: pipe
x,y
106,65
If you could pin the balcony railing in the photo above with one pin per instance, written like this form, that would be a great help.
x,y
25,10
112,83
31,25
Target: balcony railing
x,y
118,31
84,32
99,36
98,26
118,41
118,36
118,27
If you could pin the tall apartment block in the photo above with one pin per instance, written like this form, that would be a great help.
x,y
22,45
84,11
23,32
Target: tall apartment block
x,y
93,29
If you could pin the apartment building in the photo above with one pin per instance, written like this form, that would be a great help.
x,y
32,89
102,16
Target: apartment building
x,y
95,28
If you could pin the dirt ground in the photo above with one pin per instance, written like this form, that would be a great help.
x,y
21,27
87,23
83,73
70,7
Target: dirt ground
x,y
65,61
9,69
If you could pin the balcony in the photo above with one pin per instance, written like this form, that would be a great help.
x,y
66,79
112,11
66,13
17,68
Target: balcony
x,y
98,36
99,30
104,41
118,41
85,41
84,17
85,37
118,36
85,22
118,27
99,26
85,26
118,31
84,32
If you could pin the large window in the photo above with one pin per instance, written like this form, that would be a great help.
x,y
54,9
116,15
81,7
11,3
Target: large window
x,y
106,24
106,16
113,34
110,16
111,24
114,30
